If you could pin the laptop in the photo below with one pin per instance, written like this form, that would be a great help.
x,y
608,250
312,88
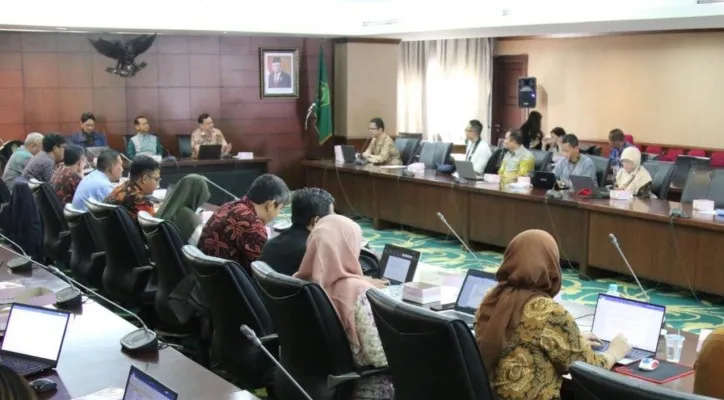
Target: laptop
x,y
640,322
349,154
33,338
543,180
209,152
475,286
465,170
140,385
579,183
398,264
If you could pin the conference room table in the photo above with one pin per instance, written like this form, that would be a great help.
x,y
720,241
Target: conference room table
x,y
659,248
91,358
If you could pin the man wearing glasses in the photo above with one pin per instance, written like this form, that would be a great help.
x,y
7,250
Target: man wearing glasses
x,y
133,194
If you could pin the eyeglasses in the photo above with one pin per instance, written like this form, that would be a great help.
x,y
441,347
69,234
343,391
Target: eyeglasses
x,y
155,178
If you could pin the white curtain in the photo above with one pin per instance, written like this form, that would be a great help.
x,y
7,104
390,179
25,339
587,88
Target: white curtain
x,y
442,84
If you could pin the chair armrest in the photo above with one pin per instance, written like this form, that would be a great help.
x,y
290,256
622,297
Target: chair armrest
x,y
64,234
269,339
336,380
98,255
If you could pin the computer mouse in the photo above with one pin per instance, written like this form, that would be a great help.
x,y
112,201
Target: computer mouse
x,y
43,385
648,364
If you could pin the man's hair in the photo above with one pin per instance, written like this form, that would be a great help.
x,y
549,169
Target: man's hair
x,y
86,116
476,125
51,141
202,118
616,135
137,120
516,136
308,203
571,139
106,159
33,138
558,131
72,155
268,187
379,123
143,165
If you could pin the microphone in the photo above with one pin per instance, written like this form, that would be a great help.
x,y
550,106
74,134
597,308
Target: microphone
x,y
220,188
614,242
142,339
310,110
444,221
251,335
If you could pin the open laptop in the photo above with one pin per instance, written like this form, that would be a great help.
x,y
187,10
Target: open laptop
x,y
475,286
543,180
579,183
465,170
398,264
209,152
640,322
140,385
349,154
33,338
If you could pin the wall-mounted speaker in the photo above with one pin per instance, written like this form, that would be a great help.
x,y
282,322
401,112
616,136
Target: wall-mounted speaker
x,y
527,92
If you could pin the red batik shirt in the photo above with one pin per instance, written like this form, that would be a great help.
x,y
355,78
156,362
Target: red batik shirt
x,y
64,182
234,233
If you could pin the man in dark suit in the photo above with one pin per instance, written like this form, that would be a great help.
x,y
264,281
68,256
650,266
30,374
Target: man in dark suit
x,y
278,79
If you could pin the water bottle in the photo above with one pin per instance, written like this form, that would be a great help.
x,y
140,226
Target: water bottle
x,y
613,290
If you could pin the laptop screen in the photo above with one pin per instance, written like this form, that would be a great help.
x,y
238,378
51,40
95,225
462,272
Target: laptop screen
x,y
398,264
140,385
475,286
640,322
35,331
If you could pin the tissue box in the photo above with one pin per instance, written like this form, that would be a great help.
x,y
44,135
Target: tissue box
x,y
420,292
524,180
245,155
621,195
703,205
492,178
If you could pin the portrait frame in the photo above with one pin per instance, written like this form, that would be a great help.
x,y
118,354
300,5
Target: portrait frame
x,y
278,73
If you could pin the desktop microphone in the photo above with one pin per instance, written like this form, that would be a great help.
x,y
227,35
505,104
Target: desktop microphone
x,y
444,221
169,157
233,196
251,335
614,242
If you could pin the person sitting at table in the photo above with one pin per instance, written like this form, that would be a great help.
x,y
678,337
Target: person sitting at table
x,y
477,151
237,230
13,386
332,262
632,177
526,338
66,178
88,137
552,141
618,143
709,366
99,183
190,193
20,158
143,142
284,252
518,161
42,165
133,194
573,162
382,149
206,134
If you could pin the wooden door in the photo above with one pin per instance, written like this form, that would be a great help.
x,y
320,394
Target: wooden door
x,y
506,114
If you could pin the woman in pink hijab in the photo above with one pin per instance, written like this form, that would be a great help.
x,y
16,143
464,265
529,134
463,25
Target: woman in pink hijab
x,y
332,262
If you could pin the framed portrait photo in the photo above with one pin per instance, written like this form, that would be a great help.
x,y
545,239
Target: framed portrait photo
x,y
279,70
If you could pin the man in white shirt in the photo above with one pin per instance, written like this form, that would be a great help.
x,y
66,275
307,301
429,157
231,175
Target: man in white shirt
x,y
477,151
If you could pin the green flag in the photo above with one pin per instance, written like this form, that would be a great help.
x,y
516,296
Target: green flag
x,y
324,102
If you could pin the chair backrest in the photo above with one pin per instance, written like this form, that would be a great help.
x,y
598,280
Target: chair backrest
x,y
696,153
496,159
87,259
603,166
56,237
184,145
594,383
682,168
4,192
660,172
629,138
164,245
654,149
314,344
20,220
431,356
408,148
543,159
434,153
717,159
699,185
125,252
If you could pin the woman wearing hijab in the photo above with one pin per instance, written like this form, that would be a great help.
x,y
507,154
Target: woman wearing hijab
x,y
332,262
528,340
633,177
180,206
709,366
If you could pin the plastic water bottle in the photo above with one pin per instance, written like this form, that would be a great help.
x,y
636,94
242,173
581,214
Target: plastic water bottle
x,y
613,290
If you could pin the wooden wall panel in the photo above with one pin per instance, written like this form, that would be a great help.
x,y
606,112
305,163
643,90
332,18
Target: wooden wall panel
x,y
47,80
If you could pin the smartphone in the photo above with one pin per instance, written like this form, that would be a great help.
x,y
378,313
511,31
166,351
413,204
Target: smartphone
x,y
442,307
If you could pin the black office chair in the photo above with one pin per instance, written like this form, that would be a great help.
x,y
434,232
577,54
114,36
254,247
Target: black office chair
x,y
594,383
543,159
408,148
414,339
495,161
4,192
128,270
56,235
660,172
87,256
603,167
434,153
682,168
126,139
592,150
698,185
184,145
233,299
370,263
315,349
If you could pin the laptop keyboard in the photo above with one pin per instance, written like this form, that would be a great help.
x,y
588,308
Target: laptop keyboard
x,y
635,354
23,366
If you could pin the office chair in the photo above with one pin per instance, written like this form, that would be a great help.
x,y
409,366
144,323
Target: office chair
x,y
660,172
408,148
370,263
682,168
495,161
543,159
603,167
698,185
4,192
431,356
87,256
434,153
56,235
184,145
315,349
